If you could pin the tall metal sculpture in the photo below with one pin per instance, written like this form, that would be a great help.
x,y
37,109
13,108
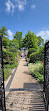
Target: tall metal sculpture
x,y
2,90
46,74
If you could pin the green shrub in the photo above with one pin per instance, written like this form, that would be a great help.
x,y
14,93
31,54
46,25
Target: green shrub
x,y
38,76
14,65
34,57
8,57
31,50
41,70
41,53
36,69
5,42
4,53
11,55
37,56
7,73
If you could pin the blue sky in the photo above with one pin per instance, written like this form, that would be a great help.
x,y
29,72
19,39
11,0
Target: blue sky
x,y
24,15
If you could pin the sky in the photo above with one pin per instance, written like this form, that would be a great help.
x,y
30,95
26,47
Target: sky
x,y
25,15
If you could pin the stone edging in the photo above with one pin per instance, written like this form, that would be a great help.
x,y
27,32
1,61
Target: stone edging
x,y
11,78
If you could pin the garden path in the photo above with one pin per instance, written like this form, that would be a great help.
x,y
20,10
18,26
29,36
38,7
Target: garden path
x,y
24,93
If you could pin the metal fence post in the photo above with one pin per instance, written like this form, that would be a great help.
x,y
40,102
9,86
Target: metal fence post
x,y
2,89
46,74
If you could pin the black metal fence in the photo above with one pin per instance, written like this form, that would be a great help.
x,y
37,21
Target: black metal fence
x,y
2,90
46,74
46,77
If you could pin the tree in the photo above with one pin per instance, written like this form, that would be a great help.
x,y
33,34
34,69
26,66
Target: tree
x,y
15,43
30,40
3,31
18,37
40,41
6,42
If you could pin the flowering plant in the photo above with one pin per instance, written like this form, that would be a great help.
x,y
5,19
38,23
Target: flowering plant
x,y
43,61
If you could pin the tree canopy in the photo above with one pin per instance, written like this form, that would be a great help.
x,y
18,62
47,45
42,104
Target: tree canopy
x,y
3,31
6,42
15,43
40,41
18,37
30,40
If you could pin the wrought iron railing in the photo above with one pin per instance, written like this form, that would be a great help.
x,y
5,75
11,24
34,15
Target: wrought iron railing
x,y
46,74
2,89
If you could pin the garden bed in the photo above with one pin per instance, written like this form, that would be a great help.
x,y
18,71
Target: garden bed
x,y
37,70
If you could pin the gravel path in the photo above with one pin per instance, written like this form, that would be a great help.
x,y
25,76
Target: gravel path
x,y
24,92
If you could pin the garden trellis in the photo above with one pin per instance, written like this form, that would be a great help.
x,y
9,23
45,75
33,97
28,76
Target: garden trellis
x,y
2,90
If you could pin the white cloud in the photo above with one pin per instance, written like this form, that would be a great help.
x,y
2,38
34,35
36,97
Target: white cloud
x,y
21,4
21,7
10,6
10,34
33,6
44,34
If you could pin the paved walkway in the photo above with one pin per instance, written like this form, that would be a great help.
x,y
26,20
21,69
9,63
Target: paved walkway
x,y
24,93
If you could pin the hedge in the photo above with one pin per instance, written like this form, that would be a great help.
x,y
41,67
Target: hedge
x,y
37,56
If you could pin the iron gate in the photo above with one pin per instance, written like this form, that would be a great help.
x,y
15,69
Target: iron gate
x,y
2,90
46,74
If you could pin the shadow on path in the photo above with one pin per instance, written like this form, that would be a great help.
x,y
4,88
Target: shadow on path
x,y
27,87
28,98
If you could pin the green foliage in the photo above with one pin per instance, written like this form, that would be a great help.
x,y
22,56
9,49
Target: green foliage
x,y
11,54
4,53
37,56
11,104
12,65
31,50
3,32
39,77
18,37
41,69
12,49
30,40
7,73
15,43
10,43
8,55
5,41
36,70
40,41
41,53
34,57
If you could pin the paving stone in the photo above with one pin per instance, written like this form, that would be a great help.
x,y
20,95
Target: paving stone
x,y
28,95
25,103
